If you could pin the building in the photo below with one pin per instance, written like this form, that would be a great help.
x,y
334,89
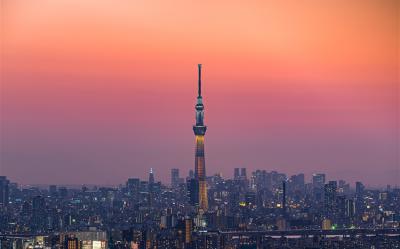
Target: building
x,y
4,191
326,224
85,240
133,186
239,174
243,173
151,176
72,243
188,230
199,131
359,189
350,208
330,198
236,173
193,191
39,213
53,190
284,198
318,183
174,178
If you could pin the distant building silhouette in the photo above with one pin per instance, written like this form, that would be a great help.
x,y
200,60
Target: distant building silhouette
x,y
4,191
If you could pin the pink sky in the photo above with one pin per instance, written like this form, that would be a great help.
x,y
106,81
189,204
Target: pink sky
x,y
97,91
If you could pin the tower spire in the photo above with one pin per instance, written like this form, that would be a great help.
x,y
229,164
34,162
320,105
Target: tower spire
x,y
199,90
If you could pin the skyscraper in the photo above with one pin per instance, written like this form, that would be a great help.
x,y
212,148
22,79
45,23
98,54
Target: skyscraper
x,y
199,131
151,176
151,187
318,182
174,178
132,187
4,190
193,189
330,199
236,173
359,189
284,198
243,173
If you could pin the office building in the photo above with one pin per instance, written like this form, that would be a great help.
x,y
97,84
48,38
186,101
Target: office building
x,y
175,178
4,191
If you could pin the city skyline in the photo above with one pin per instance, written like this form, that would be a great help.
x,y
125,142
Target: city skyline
x,y
308,179
92,95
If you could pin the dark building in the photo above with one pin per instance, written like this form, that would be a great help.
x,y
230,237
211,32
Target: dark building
x,y
151,176
243,173
359,189
191,174
350,208
175,178
133,185
284,198
39,213
318,182
330,199
53,191
193,191
236,173
4,191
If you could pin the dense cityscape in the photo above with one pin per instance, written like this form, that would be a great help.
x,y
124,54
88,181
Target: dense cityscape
x,y
112,136
260,210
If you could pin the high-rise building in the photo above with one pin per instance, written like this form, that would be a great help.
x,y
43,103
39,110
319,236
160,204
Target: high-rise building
x,y
236,173
191,174
318,182
340,211
243,173
188,230
4,191
330,198
350,208
199,131
53,190
39,212
296,185
239,174
151,176
284,198
133,187
174,178
193,191
359,189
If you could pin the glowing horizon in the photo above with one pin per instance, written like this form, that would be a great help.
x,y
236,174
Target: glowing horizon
x,y
103,90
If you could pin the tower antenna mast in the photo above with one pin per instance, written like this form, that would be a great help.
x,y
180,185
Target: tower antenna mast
x,y
199,90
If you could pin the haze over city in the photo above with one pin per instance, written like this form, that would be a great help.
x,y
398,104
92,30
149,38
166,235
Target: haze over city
x,y
99,91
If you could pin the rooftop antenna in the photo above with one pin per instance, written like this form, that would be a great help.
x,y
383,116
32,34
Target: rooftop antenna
x,y
199,90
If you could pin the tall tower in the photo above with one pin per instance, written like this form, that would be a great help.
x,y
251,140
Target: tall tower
x,y
151,176
199,131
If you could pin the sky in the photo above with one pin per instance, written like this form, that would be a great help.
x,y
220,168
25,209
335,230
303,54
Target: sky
x,y
97,91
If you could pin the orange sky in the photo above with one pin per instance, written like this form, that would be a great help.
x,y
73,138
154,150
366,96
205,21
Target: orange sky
x,y
278,75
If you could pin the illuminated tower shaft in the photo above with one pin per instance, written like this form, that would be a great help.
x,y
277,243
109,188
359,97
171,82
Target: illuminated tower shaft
x,y
200,167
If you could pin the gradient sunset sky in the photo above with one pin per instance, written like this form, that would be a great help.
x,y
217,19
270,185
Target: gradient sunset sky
x,y
97,91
